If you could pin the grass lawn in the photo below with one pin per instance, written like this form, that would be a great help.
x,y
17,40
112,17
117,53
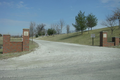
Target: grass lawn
x,y
84,38
32,46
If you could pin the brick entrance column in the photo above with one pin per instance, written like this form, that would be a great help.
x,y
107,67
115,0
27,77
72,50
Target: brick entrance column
x,y
25,39
103,38
6,41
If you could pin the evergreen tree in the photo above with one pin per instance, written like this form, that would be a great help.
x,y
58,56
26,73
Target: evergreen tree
x,y
91,21
80,24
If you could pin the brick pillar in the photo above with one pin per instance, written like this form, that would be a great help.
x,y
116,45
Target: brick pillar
x,y
6,42
103,38
115,40
25,39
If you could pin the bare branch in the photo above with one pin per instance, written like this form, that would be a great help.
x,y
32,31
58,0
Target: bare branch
x,y
32,28
110,22
62,23
68,29
116,12
40,29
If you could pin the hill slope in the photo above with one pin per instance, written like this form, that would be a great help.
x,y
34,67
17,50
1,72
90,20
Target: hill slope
x,y
84,39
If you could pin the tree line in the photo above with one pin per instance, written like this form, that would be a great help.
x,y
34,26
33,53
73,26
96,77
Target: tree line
x,y
82,22
40,30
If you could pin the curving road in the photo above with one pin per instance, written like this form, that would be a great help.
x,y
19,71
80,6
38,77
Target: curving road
x,y
63,61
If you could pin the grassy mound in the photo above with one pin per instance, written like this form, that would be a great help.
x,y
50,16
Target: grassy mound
x,y
84,38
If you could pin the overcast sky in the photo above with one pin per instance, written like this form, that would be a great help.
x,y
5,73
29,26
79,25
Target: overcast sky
x,y
17,14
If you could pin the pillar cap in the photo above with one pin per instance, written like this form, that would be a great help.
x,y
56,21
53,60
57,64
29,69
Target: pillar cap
x,y
25,29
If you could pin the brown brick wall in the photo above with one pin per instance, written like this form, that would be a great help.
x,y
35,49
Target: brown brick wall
x,y
110,44
116,40
104,43
15,46
11,46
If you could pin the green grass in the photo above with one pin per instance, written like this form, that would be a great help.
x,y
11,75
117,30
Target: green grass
x,y
84,39
32,46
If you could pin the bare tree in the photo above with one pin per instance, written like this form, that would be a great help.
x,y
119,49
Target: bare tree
x,y
32,28
58,30
40,29
68,29
62,23
117,15
45,32
110,22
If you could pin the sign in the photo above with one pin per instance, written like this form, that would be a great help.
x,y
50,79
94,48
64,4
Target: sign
x,y
104,35
92,35
25,33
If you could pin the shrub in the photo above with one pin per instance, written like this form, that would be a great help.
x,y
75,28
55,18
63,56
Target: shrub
x,y
51,31
36,36
0,35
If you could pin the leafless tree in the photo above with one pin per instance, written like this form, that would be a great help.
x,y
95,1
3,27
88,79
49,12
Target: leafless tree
x,y
45,32
40,29
62,23
117,15
58,30
32,28
68,28
110,22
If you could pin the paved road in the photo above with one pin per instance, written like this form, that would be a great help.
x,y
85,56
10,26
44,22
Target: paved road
x,y
63,61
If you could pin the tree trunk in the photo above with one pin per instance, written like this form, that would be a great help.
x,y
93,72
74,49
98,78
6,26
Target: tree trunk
x,y
88,30
81,32
111,32
119,23
91,28
78,32
32,37
53,33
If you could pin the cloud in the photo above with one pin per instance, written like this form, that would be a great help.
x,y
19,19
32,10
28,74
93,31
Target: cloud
x,y
6,3
21,5
16,5
12,27
71,8
9,22
111,3
115,3
21,2
105,1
